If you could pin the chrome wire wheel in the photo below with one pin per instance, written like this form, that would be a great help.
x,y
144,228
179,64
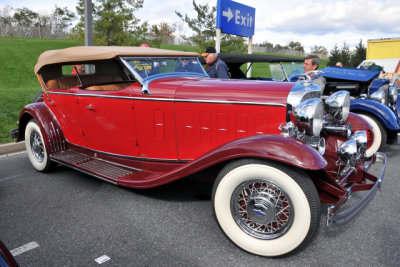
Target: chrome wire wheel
x,y
37,146
265,207
262,209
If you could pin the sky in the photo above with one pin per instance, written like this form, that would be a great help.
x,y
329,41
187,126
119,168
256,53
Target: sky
x,y
324,22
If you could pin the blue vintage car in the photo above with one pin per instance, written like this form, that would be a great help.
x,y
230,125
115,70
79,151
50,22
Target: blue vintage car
x,y
373,98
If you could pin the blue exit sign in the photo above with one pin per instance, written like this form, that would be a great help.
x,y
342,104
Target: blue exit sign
x,y
235,18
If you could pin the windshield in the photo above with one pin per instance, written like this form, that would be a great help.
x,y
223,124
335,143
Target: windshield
x,y
293,68
150,66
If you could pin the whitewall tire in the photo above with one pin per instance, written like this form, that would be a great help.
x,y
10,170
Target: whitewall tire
x,y
36,147
379,135
266,208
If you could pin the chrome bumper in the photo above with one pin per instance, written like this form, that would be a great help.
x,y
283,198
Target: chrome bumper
x,y
340,218
397,138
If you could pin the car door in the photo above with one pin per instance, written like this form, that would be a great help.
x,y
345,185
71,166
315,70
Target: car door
x,y
156,121
109,121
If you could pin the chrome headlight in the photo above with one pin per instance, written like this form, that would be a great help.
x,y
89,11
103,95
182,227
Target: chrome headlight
x,y
338,106
361,139
379,96
348,152
392,95
309,116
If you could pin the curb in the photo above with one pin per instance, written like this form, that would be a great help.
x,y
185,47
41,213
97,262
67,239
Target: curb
x,y
12,147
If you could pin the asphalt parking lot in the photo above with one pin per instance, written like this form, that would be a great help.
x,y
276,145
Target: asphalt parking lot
x,y
66,218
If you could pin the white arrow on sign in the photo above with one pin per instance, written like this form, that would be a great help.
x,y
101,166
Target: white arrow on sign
x,y
228,14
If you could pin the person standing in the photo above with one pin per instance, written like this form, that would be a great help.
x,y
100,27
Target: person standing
x,y
311,62
215,67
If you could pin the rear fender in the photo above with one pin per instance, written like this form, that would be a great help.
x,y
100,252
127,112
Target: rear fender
x,y
378,110
51,130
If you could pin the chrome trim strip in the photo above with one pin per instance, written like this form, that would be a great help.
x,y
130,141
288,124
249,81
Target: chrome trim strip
x,y
131,157
176,100
91,95
343,217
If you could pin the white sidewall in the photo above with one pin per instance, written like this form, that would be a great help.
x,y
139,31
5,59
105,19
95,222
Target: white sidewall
x,y
377,136
274,247
40,166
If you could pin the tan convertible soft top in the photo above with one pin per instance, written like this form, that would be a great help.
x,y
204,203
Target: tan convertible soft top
x,y
88,53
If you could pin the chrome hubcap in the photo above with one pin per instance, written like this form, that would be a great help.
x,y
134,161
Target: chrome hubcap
x,y
37,146
262,209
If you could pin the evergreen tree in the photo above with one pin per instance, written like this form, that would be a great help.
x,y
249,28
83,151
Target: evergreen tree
x,y
359,54
345,55
334,56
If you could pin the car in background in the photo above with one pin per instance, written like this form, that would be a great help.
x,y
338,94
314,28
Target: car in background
x,y
6,258
372,98
133,117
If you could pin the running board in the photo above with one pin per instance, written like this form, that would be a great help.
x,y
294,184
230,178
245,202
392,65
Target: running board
x,y
99,168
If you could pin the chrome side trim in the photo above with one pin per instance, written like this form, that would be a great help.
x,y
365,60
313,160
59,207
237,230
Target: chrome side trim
x,y
131,157
176,100
343,217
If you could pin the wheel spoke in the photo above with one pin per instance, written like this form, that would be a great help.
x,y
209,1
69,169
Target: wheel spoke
x,y
262,209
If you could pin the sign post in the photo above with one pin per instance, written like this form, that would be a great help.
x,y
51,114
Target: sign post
x,y
235,18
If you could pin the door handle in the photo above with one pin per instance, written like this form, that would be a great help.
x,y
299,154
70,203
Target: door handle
x,y
90,107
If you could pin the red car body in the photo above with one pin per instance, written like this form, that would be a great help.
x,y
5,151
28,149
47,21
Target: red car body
x,y
151,131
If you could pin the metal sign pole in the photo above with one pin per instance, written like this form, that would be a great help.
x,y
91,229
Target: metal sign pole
x,y
88,23
218,40
250,51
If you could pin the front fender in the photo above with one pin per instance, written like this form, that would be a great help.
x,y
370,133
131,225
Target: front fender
x,y
273,147
380,111
51,130
358,123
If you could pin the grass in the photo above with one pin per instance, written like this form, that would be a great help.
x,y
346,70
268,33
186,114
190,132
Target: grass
x,y
19,84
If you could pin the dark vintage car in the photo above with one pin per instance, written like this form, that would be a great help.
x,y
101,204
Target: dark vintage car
x,y
372,98
136,117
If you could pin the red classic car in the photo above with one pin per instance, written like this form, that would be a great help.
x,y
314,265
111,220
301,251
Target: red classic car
x,y
143,117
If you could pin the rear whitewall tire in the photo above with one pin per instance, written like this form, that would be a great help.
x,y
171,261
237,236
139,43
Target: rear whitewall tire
x,y
36,148
297,186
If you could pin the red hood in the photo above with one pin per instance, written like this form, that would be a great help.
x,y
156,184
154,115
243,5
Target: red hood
x,y
226,90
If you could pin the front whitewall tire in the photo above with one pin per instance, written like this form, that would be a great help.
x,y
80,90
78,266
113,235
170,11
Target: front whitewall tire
x,y
304,217
379,135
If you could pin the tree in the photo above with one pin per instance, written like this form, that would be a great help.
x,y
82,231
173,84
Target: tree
x,y
320,50
61,19
203,26
114,22
334,56
345,55
359,54
295,46
266,44
164,31
25,16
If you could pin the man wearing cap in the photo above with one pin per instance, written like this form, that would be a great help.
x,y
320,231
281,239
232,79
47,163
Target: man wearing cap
x,y
215,67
